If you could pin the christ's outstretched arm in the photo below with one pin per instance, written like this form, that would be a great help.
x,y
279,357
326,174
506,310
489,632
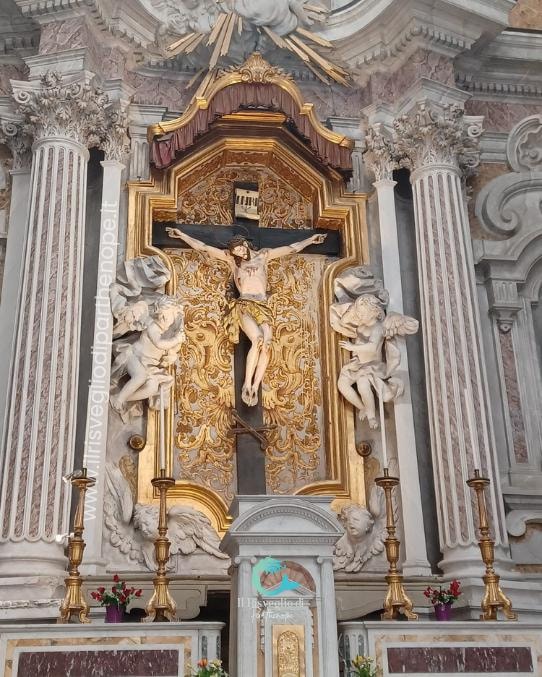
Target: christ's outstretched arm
x,y
296,247
216,253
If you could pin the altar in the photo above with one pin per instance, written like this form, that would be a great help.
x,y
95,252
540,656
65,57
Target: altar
x,y
271,323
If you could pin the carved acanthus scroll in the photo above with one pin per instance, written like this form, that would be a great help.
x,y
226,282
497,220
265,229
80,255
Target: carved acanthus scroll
x,y
291,392
211,199
204,387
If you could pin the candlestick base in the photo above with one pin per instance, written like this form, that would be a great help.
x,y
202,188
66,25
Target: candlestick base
x,y
494,598
396,600
161,606
74,602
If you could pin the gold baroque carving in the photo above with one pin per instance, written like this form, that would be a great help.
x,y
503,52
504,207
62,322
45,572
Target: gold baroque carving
x,y
346,212
288,655
257,69
128,467
291,393
204,384
268,75
210,200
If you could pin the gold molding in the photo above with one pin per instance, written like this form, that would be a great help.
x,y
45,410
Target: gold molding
x,y
332,208
256,70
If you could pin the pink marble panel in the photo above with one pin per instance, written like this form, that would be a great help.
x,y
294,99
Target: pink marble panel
x,y
387,87
513,397
10,71
113,663
460,660
159,91
58,36
500,116
527,14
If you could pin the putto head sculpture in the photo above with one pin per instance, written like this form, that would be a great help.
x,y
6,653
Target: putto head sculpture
x,y
364,534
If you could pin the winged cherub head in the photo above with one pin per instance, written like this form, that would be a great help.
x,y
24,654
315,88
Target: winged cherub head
x,y
357,522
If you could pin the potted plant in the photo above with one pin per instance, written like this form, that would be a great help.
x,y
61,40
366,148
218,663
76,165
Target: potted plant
x,y
116,601
209,669
442,600
362,667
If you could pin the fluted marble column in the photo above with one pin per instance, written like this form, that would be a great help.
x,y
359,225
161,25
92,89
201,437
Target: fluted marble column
x,y
40,431
434,141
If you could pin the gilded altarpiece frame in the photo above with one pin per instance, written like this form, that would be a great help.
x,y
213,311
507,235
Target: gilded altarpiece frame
x,y
242,143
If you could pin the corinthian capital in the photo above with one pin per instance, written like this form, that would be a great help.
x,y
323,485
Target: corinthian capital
x,y
116,144
12,134
438,135
380,156
69,110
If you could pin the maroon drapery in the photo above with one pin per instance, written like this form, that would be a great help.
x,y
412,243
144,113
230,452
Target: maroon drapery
x,y
237,97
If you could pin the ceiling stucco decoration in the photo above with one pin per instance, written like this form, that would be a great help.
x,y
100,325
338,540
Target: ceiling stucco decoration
x,y
213,33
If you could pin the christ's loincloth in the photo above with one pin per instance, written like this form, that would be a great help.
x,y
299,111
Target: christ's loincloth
x,y
259,311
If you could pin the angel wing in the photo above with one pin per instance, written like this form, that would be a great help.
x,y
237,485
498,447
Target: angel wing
x,y
343,554
189,529
396,324
118,510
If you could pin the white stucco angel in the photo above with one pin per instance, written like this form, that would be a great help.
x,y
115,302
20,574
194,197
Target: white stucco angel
x,y
364,533
281,16
376,357
151,330
133,527
183,16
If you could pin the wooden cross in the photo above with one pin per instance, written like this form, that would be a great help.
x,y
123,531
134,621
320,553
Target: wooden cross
x,y
250,433
246,429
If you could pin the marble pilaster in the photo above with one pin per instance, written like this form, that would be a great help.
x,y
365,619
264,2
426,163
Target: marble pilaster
x,y
18,142
64,119
380,160
434,141
141,117
116,147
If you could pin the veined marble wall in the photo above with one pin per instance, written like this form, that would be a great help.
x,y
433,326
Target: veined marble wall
x,y
5,201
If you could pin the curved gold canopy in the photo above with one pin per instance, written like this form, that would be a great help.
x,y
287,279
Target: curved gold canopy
x,y
254,85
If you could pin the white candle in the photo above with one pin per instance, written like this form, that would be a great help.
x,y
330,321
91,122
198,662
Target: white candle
x,y
472,429
383,430
162,430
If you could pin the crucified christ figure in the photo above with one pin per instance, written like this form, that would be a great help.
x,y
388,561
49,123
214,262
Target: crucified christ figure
x,y
250,311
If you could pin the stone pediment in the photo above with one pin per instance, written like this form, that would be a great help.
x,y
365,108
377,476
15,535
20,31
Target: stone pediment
x,y
282,520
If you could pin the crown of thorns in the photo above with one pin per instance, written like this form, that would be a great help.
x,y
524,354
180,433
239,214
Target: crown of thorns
x,y
238,241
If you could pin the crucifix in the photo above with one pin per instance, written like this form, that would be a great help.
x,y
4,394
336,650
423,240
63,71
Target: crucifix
x,y
249,321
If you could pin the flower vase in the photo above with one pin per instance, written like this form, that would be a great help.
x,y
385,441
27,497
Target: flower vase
x,y
114,613
443,612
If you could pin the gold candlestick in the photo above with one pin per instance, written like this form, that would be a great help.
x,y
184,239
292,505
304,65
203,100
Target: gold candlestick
x,y
161,606
74,602
396,597
494,598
